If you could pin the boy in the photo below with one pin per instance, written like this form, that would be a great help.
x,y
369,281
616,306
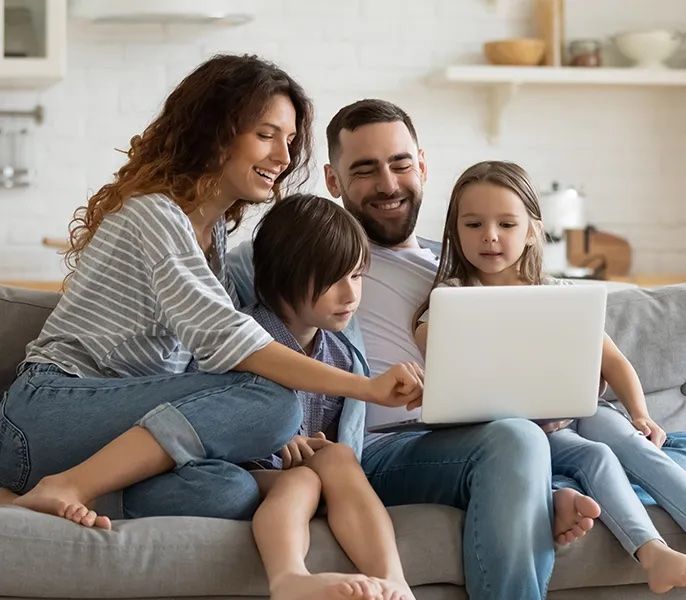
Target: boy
x,y
309,256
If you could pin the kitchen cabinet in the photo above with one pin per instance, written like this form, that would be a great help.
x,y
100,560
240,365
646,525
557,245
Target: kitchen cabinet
x,y
33,39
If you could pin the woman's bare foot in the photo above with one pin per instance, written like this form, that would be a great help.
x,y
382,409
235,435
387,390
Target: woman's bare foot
x,y
53,497
325,586
666,568
574,515
7,497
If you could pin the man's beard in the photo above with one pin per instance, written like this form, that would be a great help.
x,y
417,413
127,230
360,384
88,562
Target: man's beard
x,y
386,233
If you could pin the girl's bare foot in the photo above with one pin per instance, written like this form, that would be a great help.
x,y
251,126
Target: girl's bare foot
x,y
53,497
574,515
7,497
666,568
325,586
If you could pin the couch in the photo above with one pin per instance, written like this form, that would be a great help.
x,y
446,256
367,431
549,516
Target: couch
x,y
181,557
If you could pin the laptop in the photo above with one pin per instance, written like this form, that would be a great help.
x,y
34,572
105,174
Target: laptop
x,y
511,351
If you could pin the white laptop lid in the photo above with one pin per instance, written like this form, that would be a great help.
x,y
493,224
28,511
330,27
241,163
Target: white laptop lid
x,y
525,351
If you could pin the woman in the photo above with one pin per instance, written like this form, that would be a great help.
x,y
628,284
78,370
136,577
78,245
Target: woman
x,y
149,291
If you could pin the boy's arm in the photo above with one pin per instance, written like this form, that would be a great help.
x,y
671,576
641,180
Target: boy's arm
x,y
623,379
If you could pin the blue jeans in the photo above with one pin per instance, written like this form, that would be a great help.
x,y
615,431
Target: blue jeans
x,y
600,475
645,465
500,474
51,421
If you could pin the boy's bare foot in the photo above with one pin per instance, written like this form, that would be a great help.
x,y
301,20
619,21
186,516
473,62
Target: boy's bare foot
x,y
325,586
7,497
666,568
574,515
52,497
395,590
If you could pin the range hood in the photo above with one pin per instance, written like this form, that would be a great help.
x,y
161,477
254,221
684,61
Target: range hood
x,y
227,12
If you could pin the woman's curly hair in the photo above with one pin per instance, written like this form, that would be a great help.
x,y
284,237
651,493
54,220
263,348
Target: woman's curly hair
x,y
182,152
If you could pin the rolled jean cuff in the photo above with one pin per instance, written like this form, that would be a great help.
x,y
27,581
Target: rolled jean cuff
x,y
633,546
174,433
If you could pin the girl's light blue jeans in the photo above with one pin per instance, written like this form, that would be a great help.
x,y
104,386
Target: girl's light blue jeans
x,y
51,421
605,455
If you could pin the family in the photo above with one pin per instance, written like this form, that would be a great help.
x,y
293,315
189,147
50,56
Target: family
x,y
168,368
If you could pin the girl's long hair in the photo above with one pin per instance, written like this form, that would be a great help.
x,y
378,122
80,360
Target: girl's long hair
x,y
453,264
182,152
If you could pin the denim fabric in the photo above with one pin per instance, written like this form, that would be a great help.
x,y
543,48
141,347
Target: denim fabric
x,y
500,473
661,476
51,421
601,476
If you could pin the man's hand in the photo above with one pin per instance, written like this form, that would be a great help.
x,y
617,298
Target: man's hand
x,y
300,448
553,426
401,385
650,429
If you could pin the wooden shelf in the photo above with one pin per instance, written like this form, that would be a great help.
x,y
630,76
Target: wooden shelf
x,y
505,82
565,75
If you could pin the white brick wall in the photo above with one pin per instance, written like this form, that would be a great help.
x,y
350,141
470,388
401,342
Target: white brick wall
x,y
625,146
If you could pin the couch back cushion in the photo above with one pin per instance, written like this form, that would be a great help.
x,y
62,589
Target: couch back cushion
x,y
649,326
22,314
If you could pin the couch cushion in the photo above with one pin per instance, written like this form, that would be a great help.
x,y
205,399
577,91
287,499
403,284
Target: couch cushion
x,y
22,314
649,326
43,555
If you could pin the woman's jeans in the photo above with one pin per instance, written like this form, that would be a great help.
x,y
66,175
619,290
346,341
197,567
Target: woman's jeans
x,y
207,423
605,455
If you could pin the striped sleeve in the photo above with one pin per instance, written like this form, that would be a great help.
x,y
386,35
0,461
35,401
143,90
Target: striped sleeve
x,y
194,306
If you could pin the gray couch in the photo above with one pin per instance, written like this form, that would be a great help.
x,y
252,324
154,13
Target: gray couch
x,y
181,557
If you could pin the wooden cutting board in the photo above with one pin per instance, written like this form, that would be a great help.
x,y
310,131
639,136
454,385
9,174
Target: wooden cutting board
x,y
607,253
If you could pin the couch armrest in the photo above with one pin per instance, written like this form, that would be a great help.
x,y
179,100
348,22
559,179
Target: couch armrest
x,y
22,314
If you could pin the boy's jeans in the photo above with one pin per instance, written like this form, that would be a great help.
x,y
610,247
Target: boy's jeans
x,y
51,421
500,473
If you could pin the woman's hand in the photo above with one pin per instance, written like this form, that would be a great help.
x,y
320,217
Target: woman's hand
x,y
650,429
300,448
401,385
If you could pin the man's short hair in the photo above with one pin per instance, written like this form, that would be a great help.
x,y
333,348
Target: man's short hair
x,y
301,247
364,112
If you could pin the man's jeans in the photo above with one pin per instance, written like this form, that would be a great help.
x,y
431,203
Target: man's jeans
x,y
500,473
51,421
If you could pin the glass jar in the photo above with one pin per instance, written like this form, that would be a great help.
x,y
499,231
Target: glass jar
x,y
585,53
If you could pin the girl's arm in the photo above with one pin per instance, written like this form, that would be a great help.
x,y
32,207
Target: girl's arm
x,y
401,385
420,337
623,379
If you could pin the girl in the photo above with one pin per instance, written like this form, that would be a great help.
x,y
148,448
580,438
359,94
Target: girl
x,y
494,236
149,291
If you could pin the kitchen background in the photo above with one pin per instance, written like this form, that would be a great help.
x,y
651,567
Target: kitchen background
x,y
623,146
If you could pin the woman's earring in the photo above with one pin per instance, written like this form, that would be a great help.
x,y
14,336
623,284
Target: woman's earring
x,y
201,210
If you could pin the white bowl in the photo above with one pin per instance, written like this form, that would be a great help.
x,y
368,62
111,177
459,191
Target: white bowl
x,y
648,49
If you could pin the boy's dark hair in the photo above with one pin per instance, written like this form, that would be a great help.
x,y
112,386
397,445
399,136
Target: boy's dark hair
x,y
364,112
301,247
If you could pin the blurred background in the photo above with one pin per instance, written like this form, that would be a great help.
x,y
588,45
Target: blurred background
x,y
605,118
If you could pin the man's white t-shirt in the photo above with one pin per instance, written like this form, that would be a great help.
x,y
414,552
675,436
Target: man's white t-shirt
x,y
396,284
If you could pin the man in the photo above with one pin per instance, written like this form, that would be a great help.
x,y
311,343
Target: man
x,y
500,471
